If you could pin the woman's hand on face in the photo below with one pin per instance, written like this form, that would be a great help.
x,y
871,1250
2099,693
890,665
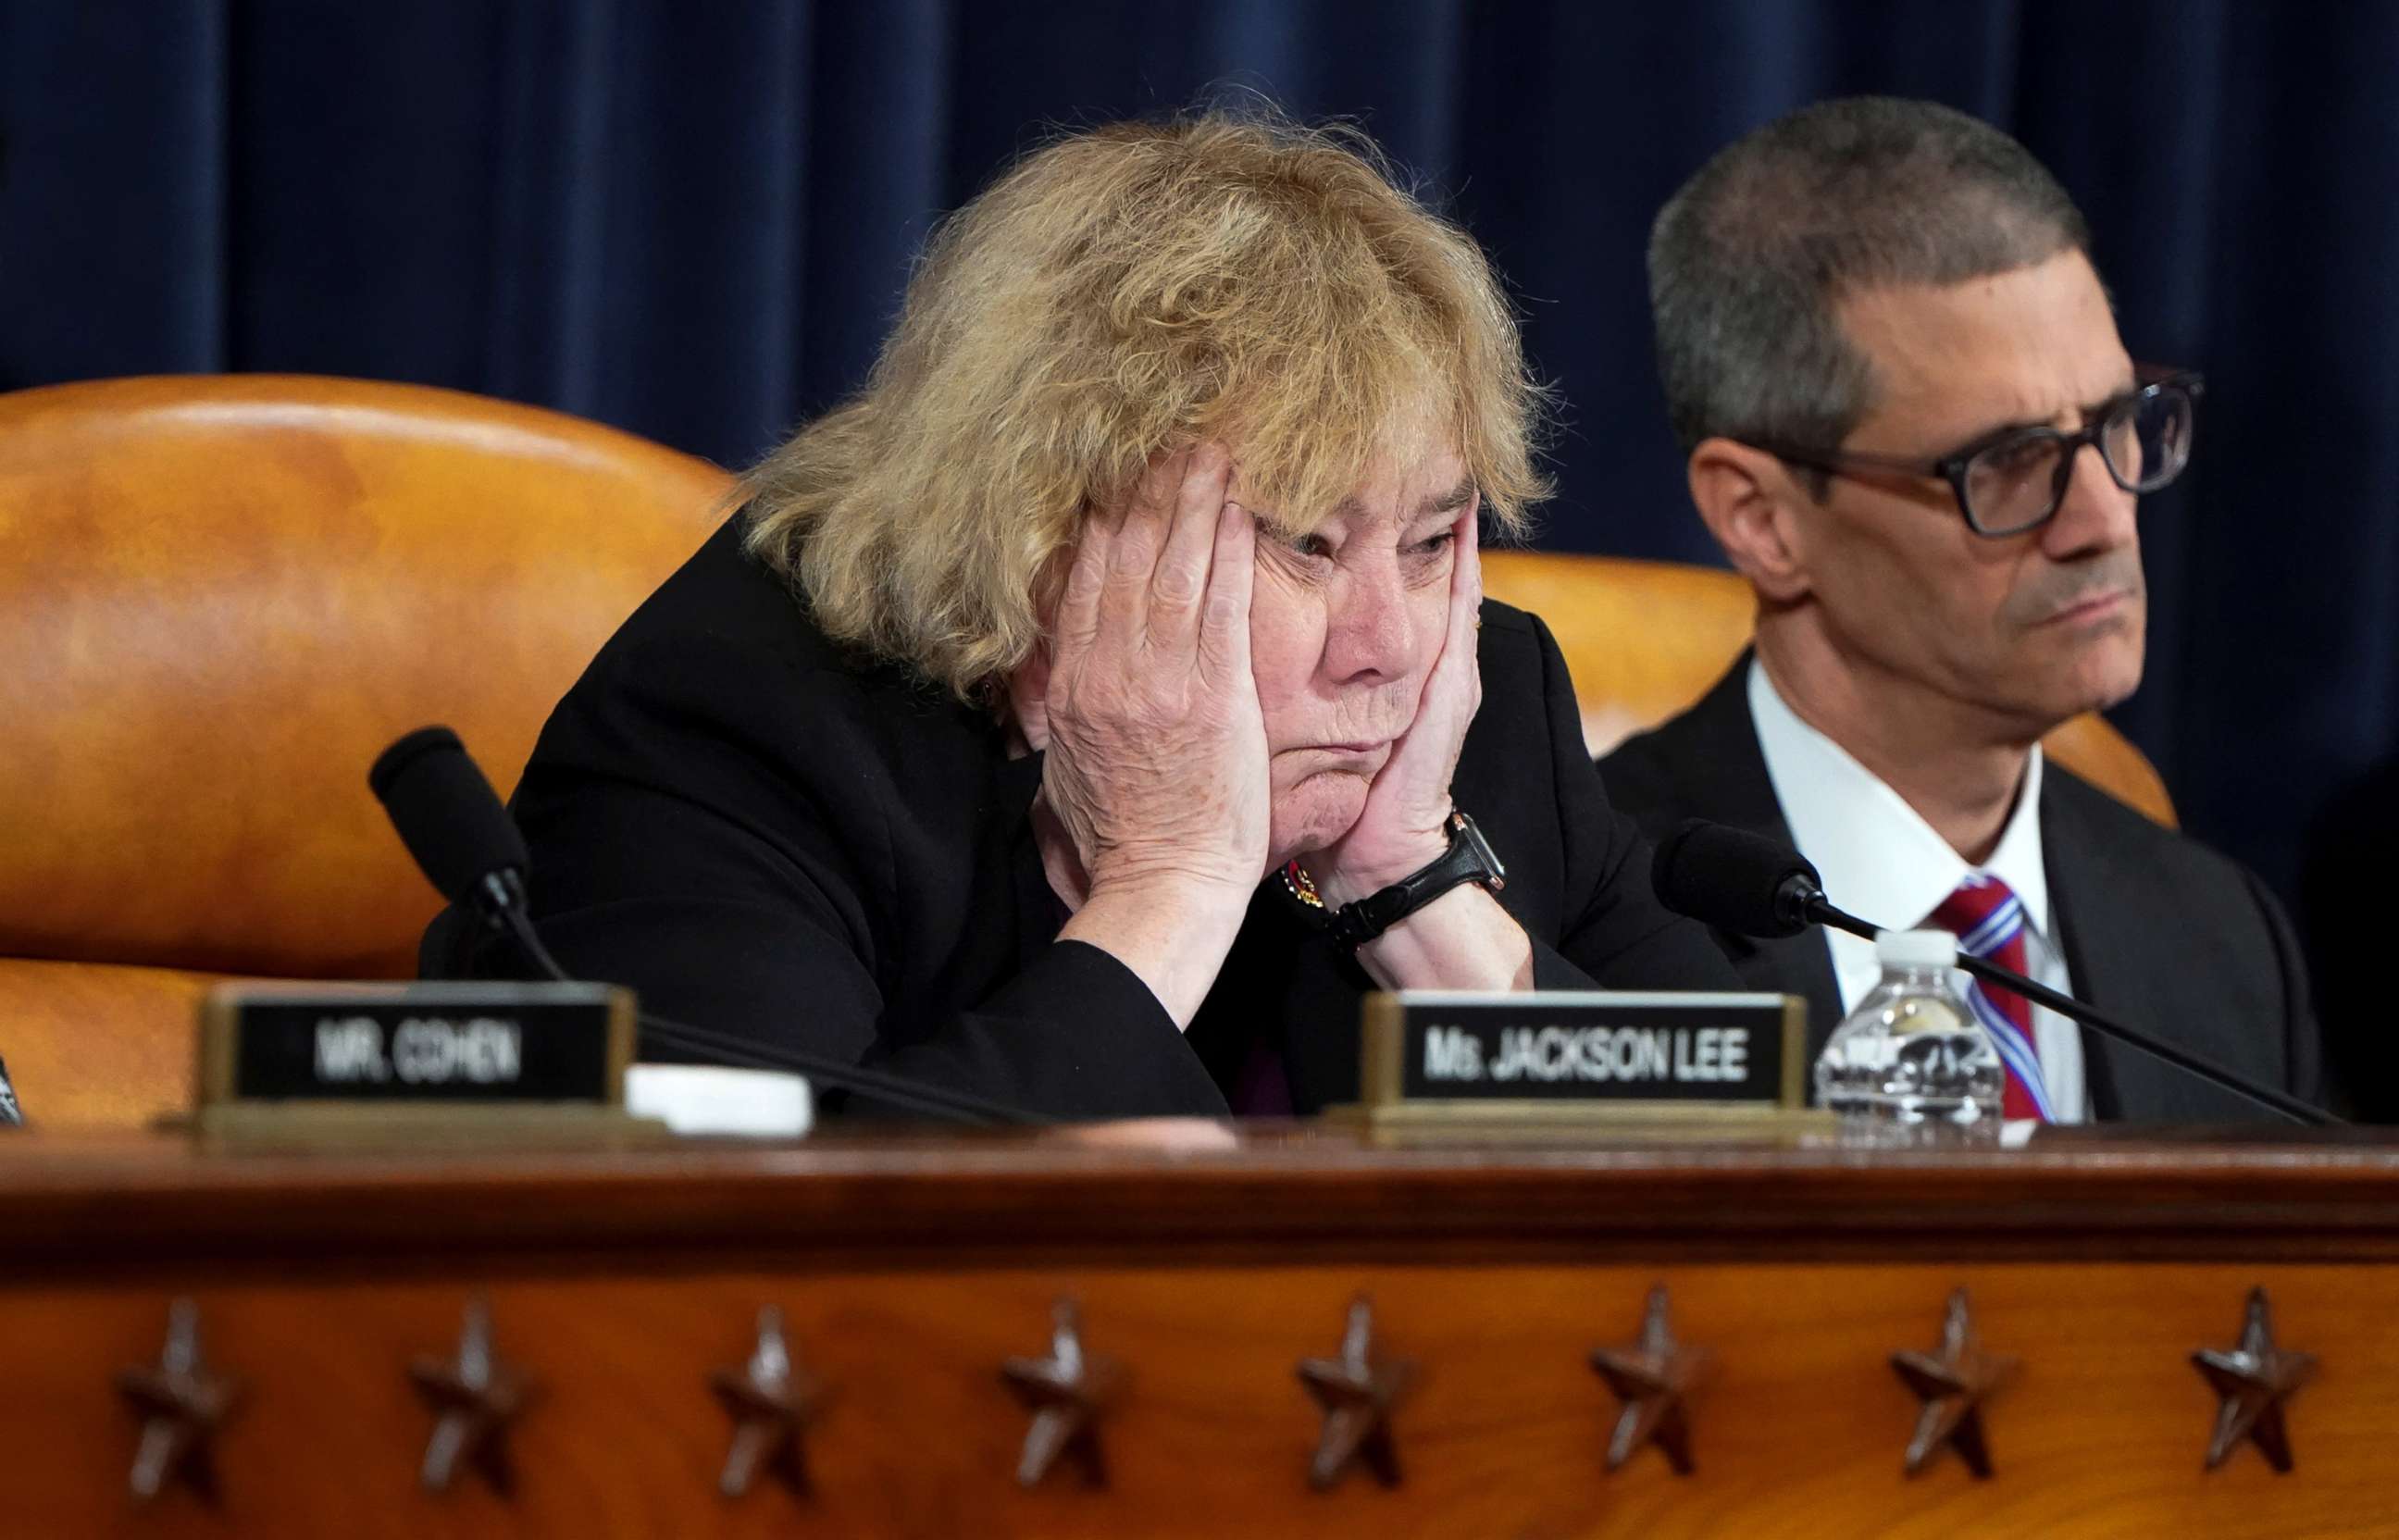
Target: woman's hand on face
x,y
1403,824
1156,753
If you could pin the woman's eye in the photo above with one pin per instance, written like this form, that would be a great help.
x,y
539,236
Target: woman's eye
x,y
1434,546
1313,546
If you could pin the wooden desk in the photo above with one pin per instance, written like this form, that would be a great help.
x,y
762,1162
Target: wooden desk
x,y
908,1268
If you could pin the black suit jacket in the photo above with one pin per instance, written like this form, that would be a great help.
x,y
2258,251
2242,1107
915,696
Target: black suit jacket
x,y
765,836
2160,932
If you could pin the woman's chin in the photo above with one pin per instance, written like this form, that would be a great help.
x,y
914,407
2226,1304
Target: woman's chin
x,y
1316,811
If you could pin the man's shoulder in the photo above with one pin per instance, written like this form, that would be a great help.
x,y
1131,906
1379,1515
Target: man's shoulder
x,y
1703,762
1656,757
2137,848
2155,893
2180,940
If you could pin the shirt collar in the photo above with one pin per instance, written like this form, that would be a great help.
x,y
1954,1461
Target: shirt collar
x,y
1878,857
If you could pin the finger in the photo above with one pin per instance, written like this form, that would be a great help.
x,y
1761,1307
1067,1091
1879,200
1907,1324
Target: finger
x,y
1153,495
1466,576
1469,545
1181,582
1134,545
1464,591
1225,621
1078,602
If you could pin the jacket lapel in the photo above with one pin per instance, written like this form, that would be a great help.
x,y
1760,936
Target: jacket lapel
x,y
1713,752
2104,944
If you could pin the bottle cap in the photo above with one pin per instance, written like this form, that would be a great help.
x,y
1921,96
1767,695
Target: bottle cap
x,y
1915,948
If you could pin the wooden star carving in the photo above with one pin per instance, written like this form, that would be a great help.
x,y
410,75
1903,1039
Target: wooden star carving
x,y
474,1398
771,1400
1652,1377
1067,1393
181,1406
2252,1382
1953,1385
1358,1395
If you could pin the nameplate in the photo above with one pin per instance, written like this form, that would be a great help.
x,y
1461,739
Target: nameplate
x,y
1554,1052
459,1045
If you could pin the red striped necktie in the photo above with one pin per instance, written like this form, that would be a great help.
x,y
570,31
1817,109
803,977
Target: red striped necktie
x,y
1988,920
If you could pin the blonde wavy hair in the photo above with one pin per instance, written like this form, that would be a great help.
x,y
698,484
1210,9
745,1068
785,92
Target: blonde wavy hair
x,y
1119,292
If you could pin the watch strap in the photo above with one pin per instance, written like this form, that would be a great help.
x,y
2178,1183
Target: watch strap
x,y
1468,860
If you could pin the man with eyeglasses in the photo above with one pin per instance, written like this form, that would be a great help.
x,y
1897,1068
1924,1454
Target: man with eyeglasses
x,y
1911,424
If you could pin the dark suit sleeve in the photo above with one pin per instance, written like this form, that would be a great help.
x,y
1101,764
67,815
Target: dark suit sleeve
x,y
1616,934
731,863
2302,1039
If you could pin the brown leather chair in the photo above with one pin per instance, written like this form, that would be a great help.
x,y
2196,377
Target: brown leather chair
x,y
219,597
1643,639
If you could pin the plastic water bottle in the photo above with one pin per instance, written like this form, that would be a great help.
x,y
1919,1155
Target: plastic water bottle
x,y
1912,1056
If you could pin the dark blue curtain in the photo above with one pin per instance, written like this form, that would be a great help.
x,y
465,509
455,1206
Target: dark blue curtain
x,y
693,220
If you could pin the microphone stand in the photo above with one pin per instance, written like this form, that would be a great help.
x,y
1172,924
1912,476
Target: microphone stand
x,y
1816,908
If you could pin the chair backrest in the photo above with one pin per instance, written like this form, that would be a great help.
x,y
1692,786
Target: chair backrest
x,y
219,597
1643,639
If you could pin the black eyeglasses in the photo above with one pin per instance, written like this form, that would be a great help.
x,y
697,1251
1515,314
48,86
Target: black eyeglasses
x,y
2015,479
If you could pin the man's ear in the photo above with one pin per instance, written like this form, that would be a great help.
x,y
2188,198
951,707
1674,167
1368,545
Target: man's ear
x,y
1748,499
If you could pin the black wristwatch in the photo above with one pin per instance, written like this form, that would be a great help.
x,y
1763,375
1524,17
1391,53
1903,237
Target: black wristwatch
x,y
1468,860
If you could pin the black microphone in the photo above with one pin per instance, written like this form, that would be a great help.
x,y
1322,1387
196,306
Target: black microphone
x,y
463,839
1754,885
1747,883
454,824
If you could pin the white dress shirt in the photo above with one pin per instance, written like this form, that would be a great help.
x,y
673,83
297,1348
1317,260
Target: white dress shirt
x,y
1880,860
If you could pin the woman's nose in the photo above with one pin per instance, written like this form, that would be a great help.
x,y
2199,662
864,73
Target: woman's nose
x,y
1368,638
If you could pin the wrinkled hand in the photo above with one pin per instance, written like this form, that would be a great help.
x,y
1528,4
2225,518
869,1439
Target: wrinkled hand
x,y
1156,762
1401,828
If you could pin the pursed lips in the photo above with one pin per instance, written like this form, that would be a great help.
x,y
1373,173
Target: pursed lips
x,y
2088,606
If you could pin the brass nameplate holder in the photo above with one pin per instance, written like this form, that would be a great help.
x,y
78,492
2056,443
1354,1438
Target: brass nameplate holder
x,y
484,1062
1577,1057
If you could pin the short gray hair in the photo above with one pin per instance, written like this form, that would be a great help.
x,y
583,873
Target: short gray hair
x,y
1750,260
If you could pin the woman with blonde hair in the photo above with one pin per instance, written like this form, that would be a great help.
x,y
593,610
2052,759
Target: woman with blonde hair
x,y
1089,711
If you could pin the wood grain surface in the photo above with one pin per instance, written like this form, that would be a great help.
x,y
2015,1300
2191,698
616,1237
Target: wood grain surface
x,y
620,1280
